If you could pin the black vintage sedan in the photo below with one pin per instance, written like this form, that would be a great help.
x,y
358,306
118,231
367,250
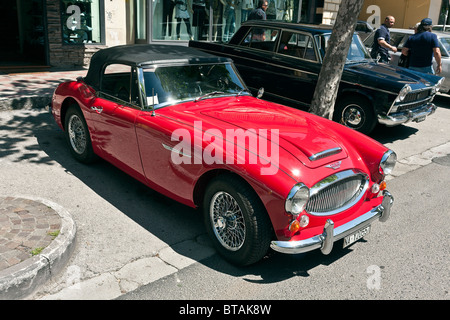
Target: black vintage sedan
x,y
285,59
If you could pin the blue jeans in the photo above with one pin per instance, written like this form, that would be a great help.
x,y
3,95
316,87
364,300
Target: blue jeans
x,y
423,69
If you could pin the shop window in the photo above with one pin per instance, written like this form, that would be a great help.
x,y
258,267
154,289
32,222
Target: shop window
x,y
81,21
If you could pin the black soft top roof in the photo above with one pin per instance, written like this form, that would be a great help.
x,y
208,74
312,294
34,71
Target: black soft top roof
x,y
145,54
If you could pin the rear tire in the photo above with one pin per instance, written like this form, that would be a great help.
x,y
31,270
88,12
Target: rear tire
x,y
236,220
77,135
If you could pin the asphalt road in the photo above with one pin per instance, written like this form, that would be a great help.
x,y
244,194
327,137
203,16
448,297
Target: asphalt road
x,y
404,258
133,243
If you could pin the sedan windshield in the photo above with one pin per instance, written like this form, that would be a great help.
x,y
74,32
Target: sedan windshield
x,y
356,53
171,84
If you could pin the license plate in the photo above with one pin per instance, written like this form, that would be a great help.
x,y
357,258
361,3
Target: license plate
x,y
348,240
420,119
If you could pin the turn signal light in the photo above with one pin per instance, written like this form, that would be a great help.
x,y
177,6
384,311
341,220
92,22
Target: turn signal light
x,y
383,185
294,226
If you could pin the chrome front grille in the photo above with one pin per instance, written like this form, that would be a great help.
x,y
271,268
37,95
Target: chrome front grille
x,y
337,192
417,95
414,100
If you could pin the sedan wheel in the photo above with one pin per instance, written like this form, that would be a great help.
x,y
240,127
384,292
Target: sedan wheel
x,y
77,135
355,113
236,220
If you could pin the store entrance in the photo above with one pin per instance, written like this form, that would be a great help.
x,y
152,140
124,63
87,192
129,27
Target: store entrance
x,y
23,45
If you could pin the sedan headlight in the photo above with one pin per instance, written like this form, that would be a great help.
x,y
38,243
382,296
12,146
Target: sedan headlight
x,y
387,162
438,85
401,96
297,199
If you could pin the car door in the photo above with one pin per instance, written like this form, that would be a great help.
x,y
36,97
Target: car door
x,y
253,54
298,68
114,113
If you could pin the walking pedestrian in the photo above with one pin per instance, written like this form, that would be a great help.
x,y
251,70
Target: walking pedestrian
x,y
422,47
259,13
381,42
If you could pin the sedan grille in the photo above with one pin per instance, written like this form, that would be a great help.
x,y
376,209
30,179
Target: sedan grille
x,y
337,192
414,100
417,95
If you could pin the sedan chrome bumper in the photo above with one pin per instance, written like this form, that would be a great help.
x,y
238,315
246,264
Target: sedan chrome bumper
x,y
416,115
325,241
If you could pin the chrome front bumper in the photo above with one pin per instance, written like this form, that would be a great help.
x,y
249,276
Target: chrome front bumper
x,y
417,115
325,241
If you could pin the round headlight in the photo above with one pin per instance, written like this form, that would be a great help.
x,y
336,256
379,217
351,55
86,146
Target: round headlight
x,y
439,84
387,162
297,199
405,90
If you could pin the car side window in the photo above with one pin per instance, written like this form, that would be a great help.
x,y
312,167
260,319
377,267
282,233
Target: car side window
x,y
297,45
116,84
261,38
398,39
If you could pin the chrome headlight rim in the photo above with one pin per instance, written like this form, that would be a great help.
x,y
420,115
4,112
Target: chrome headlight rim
x,y
297,199
387,162
438,85
403,93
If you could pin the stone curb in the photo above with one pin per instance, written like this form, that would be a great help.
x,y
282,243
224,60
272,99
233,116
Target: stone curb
x,y
21,280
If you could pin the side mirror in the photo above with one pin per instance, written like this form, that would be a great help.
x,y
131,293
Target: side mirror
x,y
260,93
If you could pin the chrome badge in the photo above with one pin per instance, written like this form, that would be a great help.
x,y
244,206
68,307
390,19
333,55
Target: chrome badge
x,y
334,165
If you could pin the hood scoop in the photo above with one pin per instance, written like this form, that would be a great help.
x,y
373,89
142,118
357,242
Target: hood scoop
x,y
324,154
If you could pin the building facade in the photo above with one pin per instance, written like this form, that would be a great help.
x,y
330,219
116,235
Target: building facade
x,y
65,33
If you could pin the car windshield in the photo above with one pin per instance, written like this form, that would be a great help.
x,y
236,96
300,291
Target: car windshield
x,y
446,44
356,53
166,85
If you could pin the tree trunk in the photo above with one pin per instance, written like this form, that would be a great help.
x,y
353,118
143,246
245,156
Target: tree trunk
x,y
333,63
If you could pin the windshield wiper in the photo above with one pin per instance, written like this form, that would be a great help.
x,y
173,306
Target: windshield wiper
x,y
208,94
242,91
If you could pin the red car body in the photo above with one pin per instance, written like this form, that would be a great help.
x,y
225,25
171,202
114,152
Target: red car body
x,y
309,149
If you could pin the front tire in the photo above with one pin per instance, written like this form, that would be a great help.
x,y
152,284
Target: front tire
x,y
77,135
236,220
355,113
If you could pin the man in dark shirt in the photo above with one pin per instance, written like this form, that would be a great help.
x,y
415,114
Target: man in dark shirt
x,y
381,42
421,47
259,13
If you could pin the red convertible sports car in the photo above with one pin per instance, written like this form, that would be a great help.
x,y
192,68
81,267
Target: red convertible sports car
x,y
266,176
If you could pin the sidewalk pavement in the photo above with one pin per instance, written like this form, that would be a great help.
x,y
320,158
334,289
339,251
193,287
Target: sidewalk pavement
x,y
32,90
36,236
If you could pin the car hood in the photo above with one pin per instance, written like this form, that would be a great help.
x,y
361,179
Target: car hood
x,y
390,77
298,132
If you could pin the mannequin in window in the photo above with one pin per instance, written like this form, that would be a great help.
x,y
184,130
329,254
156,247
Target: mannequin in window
x,y
200,15
271,11
217,7
168,6
247,6
182,13
230,19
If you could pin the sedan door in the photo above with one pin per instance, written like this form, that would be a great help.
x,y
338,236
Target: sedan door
x,y
298,69
253,54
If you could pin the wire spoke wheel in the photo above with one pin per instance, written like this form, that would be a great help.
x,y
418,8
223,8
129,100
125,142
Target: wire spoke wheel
x,y
236,220
227,221
77,134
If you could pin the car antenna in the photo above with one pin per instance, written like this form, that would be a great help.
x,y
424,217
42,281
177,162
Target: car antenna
x,y
153,102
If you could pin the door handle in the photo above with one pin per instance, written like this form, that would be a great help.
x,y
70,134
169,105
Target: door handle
x,y
97,109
